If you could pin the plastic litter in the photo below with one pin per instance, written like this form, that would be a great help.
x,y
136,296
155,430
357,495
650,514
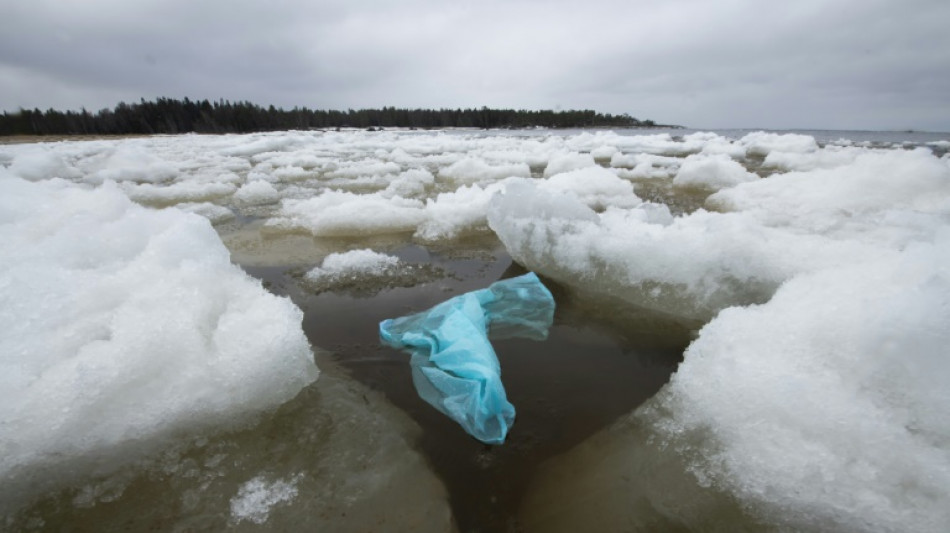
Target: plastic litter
x,y
454,366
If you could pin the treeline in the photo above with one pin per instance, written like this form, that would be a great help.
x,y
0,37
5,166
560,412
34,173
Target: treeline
x,y
166,115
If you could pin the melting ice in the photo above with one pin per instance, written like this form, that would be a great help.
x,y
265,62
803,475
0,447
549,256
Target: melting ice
x,y
813,397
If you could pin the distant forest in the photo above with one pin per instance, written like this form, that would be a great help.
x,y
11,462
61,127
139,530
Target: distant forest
x,y
166,115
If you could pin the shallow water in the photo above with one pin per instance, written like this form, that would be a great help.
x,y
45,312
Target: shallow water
x,y
721,448
585,376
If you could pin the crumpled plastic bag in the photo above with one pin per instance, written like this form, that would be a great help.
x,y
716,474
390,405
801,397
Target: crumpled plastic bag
x,y
454,366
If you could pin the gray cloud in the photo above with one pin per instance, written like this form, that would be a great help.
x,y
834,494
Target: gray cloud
x,y
848,64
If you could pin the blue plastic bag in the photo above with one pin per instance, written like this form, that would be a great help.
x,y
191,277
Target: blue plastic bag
x,y
454,366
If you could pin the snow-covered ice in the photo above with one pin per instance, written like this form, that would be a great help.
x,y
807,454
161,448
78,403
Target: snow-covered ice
x,y
353,263
125,326
814,274
711,172
816,394
256,192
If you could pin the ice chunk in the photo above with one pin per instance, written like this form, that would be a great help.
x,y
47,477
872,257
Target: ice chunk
x,y
291,173
862,350
835,383
464,210
525,197
638,254
646,166
595,186
458,212
184,191
213,212
849,201
714,144
603,152
123,327
262,173
354,262
365,273
829,157
454,366
776,228
132,161
255,498
257,192
567,162
336,213
473,170
760,143
711,172
660,144
412,182
366,167
41,164
249,145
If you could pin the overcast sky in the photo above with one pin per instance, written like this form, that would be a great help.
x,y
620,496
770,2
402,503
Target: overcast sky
x,y
849,64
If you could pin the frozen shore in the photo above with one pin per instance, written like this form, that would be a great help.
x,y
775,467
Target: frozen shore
x,y
811,271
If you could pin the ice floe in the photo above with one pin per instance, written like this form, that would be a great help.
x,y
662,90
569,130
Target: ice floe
x,y
124,327
813,271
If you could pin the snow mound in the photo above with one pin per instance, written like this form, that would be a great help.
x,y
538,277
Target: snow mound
x,y
862,351
638,254
410,183
125,326
131,162
474,170
459,212
567,162
761,143
341,213
815,395
39,164
257,192
711,172
362,273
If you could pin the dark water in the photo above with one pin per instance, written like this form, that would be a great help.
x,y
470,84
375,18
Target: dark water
x,y
586,375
